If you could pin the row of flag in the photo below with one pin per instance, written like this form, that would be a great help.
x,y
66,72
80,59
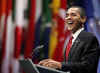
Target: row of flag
x,y
27,24
12,21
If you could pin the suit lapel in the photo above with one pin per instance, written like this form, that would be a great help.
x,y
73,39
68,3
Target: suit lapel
x,y
76,45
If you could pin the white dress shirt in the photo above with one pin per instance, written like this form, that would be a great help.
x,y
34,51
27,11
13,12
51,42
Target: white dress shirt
x,y
75,35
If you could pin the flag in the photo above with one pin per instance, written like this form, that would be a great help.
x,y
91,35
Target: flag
x,y
38,22
55,5
62,32
53,39
0,8
36,52
96,6
2,17
46,27
19,19
7,37
30,33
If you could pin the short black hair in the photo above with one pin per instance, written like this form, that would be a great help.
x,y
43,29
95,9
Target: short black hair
x,y
81,9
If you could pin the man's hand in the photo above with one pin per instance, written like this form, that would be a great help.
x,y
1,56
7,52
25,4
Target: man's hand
x,y
50,63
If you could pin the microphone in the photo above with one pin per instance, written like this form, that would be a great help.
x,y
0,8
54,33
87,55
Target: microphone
x,y
36,51
38,47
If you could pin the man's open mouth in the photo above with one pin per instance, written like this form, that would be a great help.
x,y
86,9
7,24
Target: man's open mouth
x,y
70,22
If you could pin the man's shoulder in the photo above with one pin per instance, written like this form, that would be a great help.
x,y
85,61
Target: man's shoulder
x,y
84,35
87,34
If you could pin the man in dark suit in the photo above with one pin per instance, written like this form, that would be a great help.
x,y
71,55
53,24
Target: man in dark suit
x,y
83,54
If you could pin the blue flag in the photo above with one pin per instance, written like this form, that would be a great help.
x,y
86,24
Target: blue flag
x,y
98,70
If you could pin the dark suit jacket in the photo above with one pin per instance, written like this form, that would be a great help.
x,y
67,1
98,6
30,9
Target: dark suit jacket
x,y
83,56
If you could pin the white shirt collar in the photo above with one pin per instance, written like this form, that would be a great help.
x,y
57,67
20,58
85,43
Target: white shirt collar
x,y
75,35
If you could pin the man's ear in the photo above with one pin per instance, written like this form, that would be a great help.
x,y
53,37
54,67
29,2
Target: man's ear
x,y
83,20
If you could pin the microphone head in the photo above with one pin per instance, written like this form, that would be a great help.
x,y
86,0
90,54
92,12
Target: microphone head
x,y
40,46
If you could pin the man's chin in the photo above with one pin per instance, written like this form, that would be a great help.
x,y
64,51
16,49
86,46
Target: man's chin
x,y
69,28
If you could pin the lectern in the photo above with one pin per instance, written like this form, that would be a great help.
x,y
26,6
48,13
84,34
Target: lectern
x,y
29,67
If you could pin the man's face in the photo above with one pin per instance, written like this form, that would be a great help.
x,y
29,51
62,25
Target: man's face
x,y
73,19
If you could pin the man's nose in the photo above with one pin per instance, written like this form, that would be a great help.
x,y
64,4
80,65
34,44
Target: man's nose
x,y
68,17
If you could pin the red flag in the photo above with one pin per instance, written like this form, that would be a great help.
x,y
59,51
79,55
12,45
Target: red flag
x,y
30,35
62,32
2,21
6,46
